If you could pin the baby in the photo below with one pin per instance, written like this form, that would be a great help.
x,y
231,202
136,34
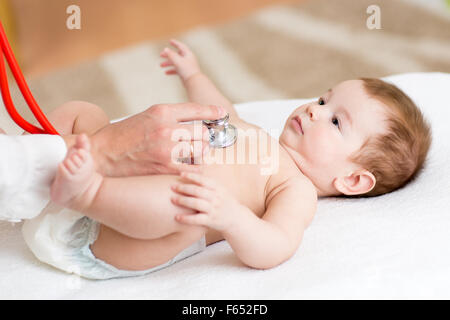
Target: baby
x,y
360,138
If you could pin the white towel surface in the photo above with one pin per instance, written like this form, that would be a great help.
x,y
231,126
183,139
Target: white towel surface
x,y
392,246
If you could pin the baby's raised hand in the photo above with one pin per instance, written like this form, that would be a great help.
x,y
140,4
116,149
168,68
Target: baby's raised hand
x,y
183,62
215,207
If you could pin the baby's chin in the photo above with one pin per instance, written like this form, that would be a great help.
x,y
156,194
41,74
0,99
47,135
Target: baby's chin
x,y
286,140
287,124
288,131
283,134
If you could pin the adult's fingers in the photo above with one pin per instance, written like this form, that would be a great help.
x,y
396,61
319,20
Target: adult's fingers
x,y
195,131
183,167
188,156
189,151
193,111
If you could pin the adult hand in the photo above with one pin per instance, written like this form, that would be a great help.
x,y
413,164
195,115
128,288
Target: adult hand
x,y
143,143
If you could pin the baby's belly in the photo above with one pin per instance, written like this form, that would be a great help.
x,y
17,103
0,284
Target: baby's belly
x,y
244,183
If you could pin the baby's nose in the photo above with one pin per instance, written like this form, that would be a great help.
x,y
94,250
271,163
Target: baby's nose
x,y
312,112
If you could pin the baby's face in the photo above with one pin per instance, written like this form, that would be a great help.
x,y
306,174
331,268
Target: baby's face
x,y
321,135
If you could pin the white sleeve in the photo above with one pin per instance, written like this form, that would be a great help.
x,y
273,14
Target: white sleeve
x,y
28,166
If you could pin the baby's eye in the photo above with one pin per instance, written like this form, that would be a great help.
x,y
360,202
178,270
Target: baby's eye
x,y
321,101
335,121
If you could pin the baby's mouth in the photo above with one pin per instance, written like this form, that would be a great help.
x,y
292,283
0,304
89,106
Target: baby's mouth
x,y
297,124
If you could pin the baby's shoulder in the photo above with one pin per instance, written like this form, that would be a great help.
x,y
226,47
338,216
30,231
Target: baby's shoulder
x,y
245,125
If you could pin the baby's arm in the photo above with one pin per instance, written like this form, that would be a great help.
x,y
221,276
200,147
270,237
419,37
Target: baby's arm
x,y
199,87
260,243
267,242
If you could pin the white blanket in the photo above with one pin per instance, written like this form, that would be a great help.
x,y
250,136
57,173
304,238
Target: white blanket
x,y
393,246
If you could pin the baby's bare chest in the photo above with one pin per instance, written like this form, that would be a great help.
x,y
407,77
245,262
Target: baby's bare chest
x,y
243,182
250,168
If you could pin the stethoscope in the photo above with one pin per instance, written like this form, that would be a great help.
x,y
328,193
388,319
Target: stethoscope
x,y
221,133
22,84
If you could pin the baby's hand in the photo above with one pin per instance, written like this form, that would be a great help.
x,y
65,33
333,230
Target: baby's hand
x,y
215,207
183,62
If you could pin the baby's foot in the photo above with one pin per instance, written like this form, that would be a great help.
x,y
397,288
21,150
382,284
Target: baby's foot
x,y
76,181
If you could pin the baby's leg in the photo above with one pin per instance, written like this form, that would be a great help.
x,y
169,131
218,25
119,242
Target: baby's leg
x,y
139,207
75,117
128,253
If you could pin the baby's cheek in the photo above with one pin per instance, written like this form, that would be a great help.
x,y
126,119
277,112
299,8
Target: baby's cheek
x,y
322,149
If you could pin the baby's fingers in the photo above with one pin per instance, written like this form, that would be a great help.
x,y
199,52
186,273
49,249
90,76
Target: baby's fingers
x,y
193,191
198,219
182,48
200,205
170,55
166,63
199,179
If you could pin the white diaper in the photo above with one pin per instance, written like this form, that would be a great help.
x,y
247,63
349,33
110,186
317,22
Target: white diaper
x,y
61,238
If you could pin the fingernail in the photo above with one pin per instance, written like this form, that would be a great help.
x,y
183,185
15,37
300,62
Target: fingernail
x,y
221,111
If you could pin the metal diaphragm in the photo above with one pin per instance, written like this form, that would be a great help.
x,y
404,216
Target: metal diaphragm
x,y
221,133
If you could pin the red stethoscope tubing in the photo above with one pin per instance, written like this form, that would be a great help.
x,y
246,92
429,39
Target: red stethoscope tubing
x,y
7,52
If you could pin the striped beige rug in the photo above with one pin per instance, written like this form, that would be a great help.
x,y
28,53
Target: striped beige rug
x,y
289,51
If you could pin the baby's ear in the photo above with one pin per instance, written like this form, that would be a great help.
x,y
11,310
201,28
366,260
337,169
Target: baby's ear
x,y
357,182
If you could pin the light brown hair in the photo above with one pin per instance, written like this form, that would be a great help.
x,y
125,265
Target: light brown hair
x,y
397,157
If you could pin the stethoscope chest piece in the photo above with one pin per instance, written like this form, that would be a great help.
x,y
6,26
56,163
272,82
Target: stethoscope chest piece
x,y
221,133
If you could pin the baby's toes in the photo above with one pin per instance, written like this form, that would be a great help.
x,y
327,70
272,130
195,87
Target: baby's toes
x,y
77,160
71,152
71,165
63,171
82,142
84,155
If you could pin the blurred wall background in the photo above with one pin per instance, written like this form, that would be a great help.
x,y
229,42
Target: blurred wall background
x,y
43,43
251,49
